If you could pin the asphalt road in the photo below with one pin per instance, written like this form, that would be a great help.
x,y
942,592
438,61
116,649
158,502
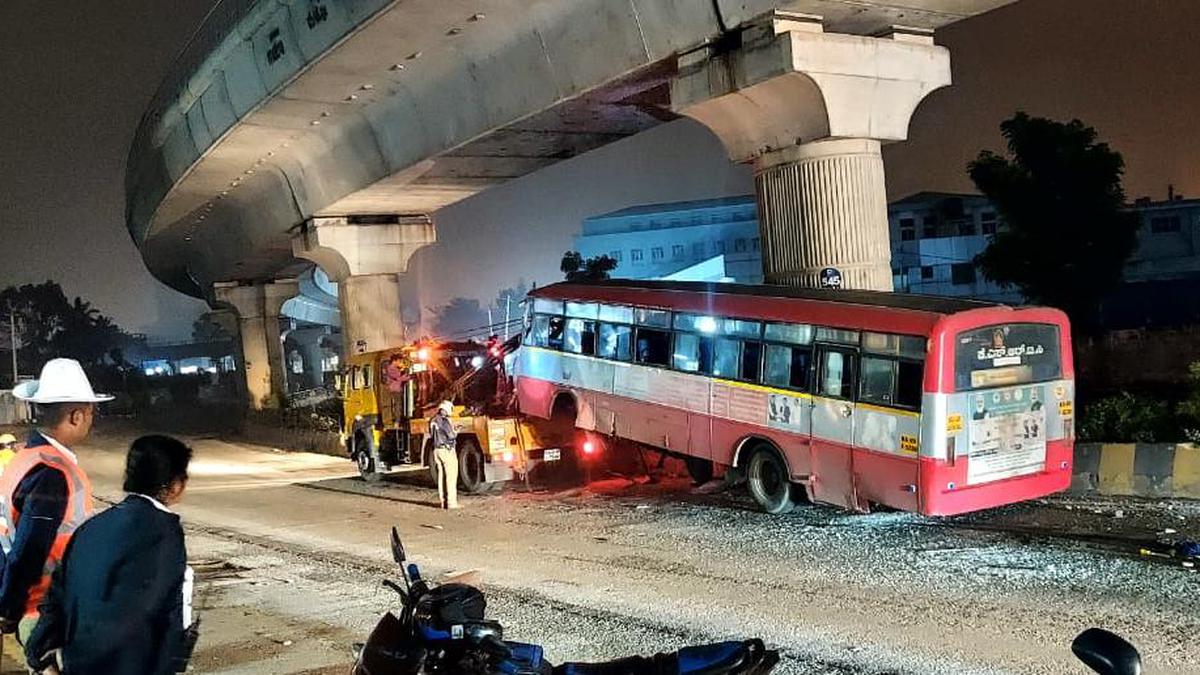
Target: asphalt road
x,y
290,551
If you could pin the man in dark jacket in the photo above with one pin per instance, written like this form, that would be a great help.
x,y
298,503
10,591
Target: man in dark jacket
x,y
120,603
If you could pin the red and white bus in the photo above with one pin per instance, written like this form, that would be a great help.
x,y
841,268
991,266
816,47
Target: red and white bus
x,y
853,398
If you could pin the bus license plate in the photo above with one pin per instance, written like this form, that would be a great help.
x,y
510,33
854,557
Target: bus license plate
x,y
552,455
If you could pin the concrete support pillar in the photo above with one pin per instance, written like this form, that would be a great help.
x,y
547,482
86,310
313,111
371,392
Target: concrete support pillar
x,y
365,257
313,355
257,307
823,205
274,295
810,110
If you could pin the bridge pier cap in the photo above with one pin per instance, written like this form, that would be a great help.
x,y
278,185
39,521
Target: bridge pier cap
x,y
810,110
365,255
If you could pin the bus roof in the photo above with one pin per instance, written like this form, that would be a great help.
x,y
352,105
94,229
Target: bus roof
x,y
662,293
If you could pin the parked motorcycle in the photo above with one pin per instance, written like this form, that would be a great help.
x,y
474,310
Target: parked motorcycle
x,y
443,630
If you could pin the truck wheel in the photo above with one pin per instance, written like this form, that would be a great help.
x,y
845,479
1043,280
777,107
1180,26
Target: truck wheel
x,y
767,479
701,470
367,467
471,476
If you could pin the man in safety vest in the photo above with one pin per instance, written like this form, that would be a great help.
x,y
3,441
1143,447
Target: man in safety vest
x,y
44,494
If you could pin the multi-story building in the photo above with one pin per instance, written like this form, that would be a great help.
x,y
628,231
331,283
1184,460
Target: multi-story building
x,y
666,240
935,238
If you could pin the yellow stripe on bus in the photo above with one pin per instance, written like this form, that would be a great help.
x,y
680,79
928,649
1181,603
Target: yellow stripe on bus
x,y
762,388
1116,468
889,411
1185,478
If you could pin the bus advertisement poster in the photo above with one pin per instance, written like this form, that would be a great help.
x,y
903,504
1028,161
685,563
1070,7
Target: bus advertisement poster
x,y
1008,433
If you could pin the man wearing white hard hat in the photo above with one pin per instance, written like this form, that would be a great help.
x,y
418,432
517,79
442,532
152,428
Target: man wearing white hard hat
x,y
46,494
445,456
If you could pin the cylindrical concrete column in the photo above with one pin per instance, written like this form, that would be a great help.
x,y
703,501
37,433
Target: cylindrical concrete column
x,y
257,359
820,205
370,305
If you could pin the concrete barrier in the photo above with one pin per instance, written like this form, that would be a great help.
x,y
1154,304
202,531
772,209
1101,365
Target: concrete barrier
x,y
1137,469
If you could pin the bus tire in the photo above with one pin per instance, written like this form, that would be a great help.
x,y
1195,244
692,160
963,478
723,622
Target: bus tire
x,y
767,480
367,467
471,476
701,470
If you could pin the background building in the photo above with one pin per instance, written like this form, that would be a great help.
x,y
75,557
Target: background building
x,y
667,240
935,237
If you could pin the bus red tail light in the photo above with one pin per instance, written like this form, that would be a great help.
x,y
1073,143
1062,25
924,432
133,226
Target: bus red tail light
x,y
589,447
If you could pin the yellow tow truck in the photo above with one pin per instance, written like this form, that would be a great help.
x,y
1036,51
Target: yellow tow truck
x,y
389,396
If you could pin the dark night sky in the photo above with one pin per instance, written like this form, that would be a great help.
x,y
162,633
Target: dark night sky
x,y
75,77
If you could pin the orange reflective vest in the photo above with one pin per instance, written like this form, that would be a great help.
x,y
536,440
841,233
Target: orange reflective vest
x,y
79,509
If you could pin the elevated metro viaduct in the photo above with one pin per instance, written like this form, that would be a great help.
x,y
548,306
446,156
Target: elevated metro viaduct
x,y
292,132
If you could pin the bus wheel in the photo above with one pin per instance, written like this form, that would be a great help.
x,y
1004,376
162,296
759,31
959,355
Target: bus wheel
x,y
366,463
470,467
767,478
701,470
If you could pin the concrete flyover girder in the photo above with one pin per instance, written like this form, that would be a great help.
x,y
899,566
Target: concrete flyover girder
x,y
279,111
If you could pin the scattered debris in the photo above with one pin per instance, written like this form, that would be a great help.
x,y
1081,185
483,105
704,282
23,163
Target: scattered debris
x,y
432,527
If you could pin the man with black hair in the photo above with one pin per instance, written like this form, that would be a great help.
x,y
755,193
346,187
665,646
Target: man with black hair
x,y
45,493
120,603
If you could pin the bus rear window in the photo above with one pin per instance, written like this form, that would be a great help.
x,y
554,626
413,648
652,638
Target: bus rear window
x,y
1007,354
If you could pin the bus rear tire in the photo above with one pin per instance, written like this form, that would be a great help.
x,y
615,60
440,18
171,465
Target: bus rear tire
x,y
767,480
701,470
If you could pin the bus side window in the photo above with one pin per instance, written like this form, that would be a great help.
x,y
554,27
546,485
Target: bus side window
x,y
687,352
580,337
539,331
615,342
778,370
787,366
837,374
554,340
910,384
355,378
878,383
752,361
653,347
726,356
366,377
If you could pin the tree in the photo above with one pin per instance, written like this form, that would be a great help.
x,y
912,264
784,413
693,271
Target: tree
x,y
593,269
49,325
207,329
508,306
1059,193
461,318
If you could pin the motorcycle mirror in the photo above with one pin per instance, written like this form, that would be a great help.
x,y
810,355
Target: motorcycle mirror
x,y
397,548
1107,653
